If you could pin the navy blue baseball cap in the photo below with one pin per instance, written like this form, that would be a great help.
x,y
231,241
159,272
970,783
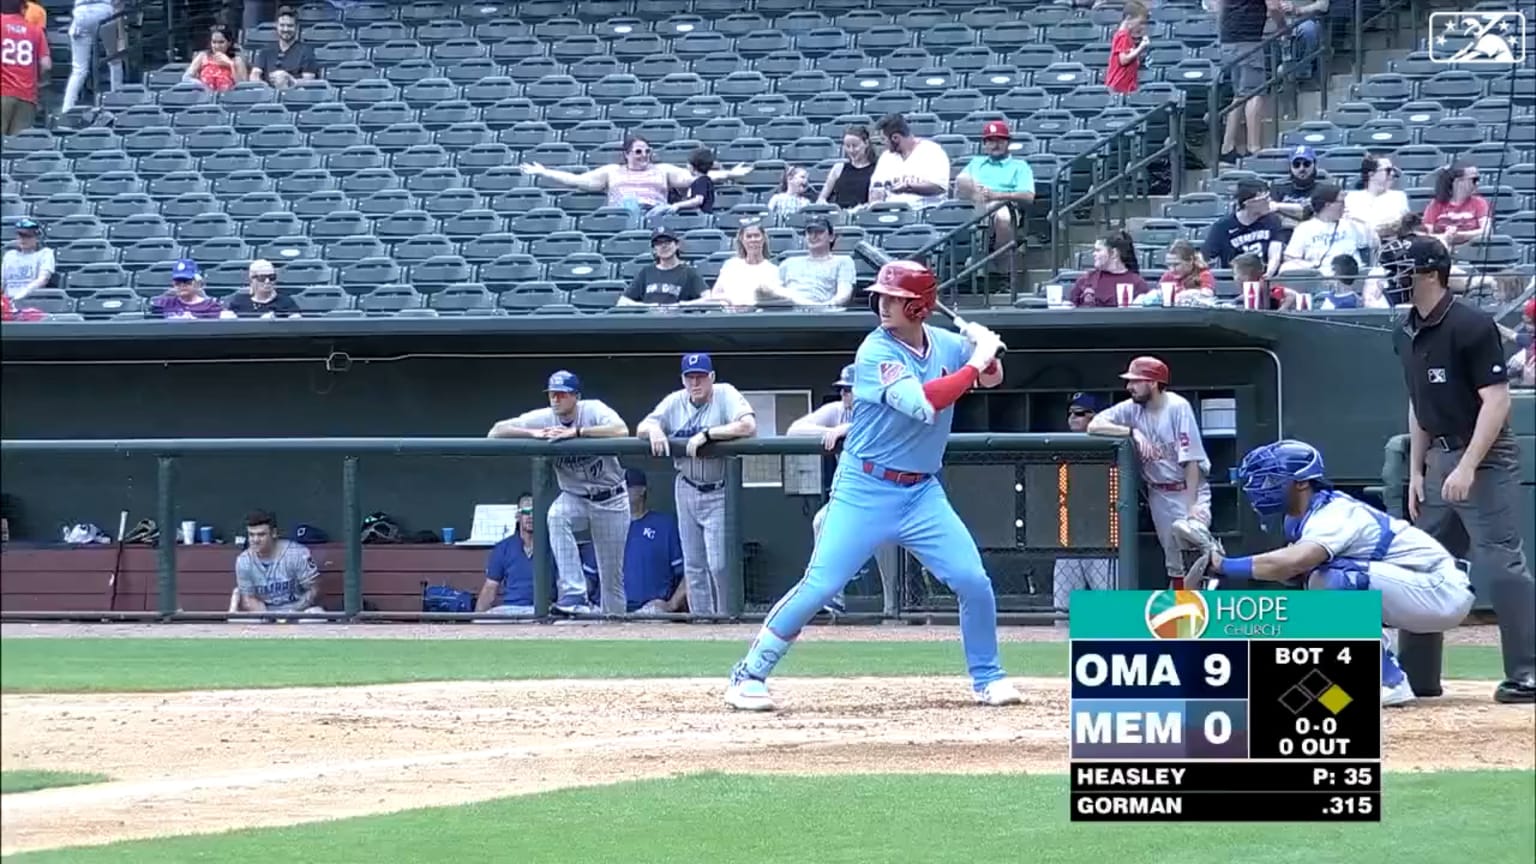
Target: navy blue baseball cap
x,y
634,478
1304,153
564,382
697,363
844,378
184,268
1086,401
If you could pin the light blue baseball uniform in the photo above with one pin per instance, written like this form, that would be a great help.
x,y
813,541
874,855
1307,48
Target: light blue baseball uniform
x,y
895,431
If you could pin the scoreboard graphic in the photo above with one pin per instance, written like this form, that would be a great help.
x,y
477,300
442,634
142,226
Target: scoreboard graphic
x,y
1226,706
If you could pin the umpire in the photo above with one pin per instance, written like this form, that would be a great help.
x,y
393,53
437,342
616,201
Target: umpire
x,y
1463,460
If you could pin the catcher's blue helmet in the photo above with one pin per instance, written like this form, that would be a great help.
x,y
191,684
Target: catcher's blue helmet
x,y
1267,472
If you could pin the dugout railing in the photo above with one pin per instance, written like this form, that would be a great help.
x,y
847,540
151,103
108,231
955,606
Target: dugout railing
x,y
1044,468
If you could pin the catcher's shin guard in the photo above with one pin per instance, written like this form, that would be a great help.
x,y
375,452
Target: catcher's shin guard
x,y
1420,655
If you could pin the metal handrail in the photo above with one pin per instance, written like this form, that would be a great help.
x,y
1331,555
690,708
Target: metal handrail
x,y
542,454
131,46
1218,117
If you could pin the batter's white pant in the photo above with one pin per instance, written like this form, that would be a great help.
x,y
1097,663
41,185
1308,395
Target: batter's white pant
x,y
1081,574
1167,508
887,560
85,29
1411,600
701,526
608,523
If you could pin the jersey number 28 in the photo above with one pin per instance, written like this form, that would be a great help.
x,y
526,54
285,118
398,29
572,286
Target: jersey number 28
x,y
14,52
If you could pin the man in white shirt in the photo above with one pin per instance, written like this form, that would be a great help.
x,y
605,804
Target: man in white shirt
x,y
818,278
30,265
912,170
1329,234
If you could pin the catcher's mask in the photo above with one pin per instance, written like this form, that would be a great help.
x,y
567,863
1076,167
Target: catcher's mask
x,y
1267,472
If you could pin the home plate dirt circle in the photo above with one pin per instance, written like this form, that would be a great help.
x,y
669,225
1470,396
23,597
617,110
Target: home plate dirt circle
x,y
204,761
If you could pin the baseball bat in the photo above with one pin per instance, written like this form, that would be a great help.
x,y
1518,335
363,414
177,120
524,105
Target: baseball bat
x,y
961,322
117,561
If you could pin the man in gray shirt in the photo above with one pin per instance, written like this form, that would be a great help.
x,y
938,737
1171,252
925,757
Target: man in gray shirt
x,y
274,575
817,278
703,411
592,492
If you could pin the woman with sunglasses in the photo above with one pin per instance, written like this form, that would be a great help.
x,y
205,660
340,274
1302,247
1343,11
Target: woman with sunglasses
x,y
636,183
1458,214
1374,201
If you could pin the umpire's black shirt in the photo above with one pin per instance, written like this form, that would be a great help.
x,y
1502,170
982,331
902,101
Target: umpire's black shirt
x,y
1447,357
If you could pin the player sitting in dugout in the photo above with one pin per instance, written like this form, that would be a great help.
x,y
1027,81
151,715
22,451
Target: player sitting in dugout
x,y
1342,544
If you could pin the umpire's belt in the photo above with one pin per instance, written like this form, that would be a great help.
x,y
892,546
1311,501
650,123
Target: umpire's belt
x,y
704,487
1169,487
900,478
1448,443
605,495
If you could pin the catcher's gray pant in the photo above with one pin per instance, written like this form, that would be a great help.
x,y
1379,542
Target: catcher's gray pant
x,y
1081,574
1411,600
887,559
608,522
701,525
1168,506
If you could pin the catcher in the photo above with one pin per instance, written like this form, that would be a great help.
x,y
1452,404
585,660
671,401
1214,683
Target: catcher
x,y
1338,543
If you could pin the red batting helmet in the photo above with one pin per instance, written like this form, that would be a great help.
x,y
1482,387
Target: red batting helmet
x,y
910,280
1147,369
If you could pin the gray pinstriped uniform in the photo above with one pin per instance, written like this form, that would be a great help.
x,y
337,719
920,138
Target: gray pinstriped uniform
x,y
699,491
1175,434
887,558
592,498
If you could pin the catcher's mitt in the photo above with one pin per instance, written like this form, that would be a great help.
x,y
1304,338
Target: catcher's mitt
x,y
1199,576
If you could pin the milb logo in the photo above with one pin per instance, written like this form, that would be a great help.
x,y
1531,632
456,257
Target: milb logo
x,y
1488,38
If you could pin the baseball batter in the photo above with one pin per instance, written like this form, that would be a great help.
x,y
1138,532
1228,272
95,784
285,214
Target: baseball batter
x,y
592,493
1081,574
832,421
907,378
1342,544
1174,466
703,411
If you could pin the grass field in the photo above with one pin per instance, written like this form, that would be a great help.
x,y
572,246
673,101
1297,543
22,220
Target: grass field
x,y
12,782
864,818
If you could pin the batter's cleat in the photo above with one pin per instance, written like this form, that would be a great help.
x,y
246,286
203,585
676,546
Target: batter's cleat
x,y
746,693
1401,694
1000,692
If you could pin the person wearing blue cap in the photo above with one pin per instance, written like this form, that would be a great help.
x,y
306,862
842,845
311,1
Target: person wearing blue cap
x,y
653,555
703,411
592,492
1081,574
186,298
832,421
30,265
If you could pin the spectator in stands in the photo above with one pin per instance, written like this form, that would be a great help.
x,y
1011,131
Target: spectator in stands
x,y
1249,229
1187,271
1373,200
792,195
1126,48
912,170
667,282
847,183
287,61
1522,365
1329,234
1250,268
88,26
635,183
748,276
995,176
30,265
700,194
818,278
34,14
1289,197
1341,294
26,59
261,299
1306,36
221,65
1458,214
274,575
1114,264
1246,62
653,555
186,298
508,588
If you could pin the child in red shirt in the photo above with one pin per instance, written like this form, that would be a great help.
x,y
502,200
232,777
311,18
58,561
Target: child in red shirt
x,y
1125,49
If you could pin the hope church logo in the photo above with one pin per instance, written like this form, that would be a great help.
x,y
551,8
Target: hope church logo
x,y
1487,38
1177,614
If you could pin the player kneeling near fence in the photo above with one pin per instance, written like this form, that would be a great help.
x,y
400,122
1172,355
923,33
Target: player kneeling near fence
x,y
274,575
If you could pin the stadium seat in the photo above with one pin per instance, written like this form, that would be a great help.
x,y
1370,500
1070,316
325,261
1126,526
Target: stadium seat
x,y
389,299
319,299
354,249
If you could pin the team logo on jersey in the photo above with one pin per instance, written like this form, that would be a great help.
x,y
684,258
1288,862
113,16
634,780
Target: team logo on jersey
x,y
891,372
1437,375
1177,614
